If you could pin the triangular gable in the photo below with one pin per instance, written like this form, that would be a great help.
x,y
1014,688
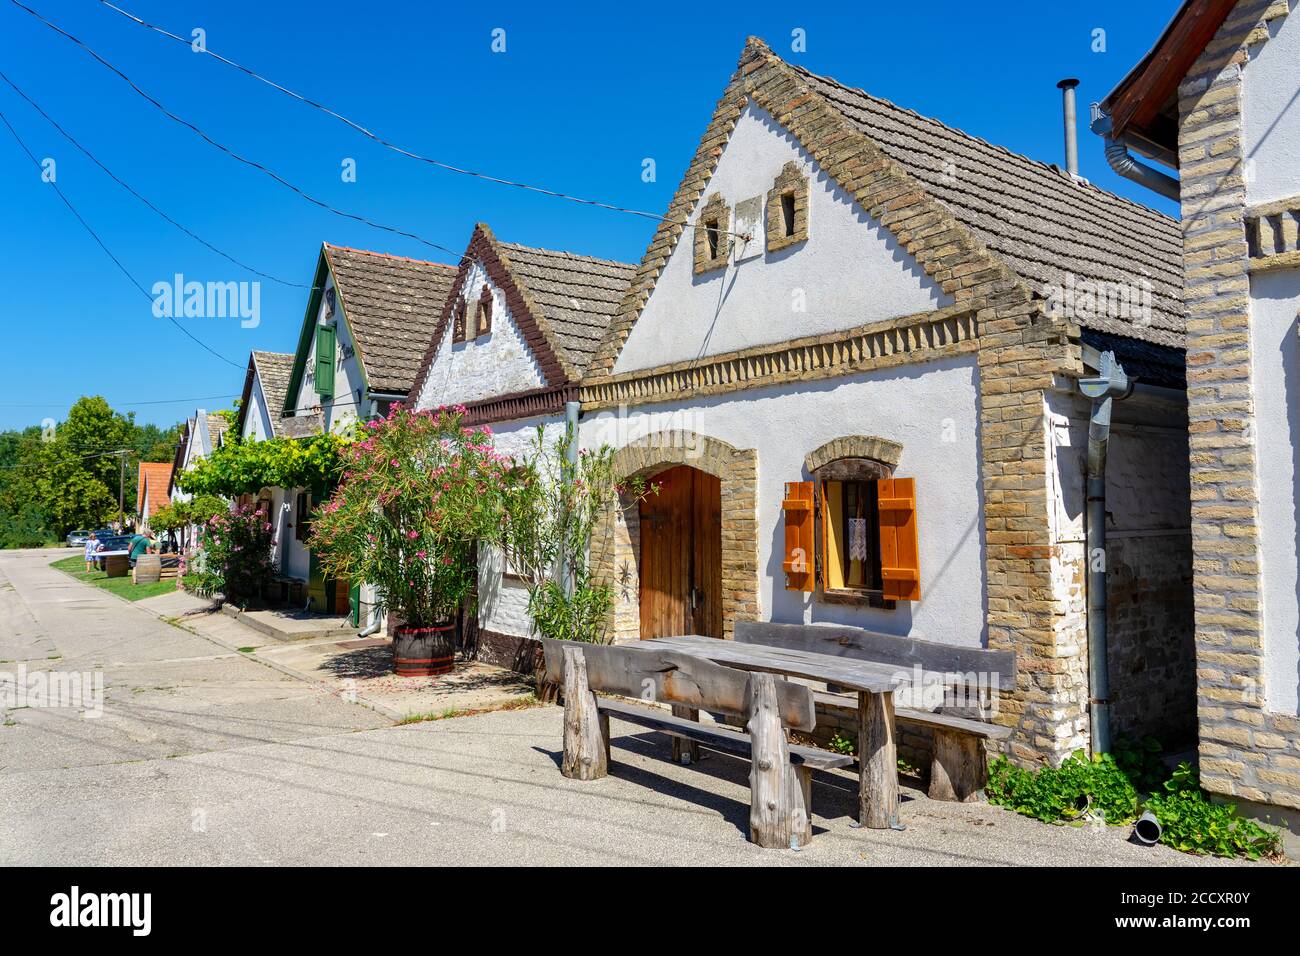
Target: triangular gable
x,y
528,317
306,335
834,270
946,246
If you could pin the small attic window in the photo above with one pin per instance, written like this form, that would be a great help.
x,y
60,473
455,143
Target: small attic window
x,y
787,209
712,235
458,321
483,315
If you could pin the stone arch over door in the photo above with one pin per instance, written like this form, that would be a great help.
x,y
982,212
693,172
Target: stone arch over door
x,y
616,544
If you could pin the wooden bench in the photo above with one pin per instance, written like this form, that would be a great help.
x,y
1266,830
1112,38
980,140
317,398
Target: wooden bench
x,y
958,770
780,778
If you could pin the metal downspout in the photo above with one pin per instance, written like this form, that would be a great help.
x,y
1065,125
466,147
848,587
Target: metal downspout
x,y
571,454
1120,160
1110,384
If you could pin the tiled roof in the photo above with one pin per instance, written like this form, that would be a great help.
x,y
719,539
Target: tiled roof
x,y
217,425
392,305
577,295
158,476
273,371
1044,225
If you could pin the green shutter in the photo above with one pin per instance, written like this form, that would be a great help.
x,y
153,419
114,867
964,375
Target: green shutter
x,y
324,361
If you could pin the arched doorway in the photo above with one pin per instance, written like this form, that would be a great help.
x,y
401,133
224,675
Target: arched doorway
x,y
680,565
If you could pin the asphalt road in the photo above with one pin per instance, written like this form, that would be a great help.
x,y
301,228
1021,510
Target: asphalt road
x,y
204,757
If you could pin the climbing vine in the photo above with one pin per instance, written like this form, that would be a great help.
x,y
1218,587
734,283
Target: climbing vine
x,y
238,467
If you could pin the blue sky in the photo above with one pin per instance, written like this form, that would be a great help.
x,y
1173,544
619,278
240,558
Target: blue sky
x,y
580,97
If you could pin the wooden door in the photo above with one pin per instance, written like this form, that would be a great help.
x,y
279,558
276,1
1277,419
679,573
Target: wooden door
x,y
681,555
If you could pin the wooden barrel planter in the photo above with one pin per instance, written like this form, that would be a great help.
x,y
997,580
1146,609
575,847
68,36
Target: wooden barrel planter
x,y
148,569
424,651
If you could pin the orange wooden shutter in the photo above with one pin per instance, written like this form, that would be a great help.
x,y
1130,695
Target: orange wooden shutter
x,y
798,510
900,561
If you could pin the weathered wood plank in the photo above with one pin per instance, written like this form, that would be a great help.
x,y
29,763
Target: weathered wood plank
x,y
886,649
586,756
778,818
877,762
713,736
652,672
685,751
957,769
858,675
847,704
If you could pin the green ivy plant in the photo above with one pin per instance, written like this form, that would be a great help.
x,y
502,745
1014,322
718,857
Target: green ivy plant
x,y
1194,824
1109,786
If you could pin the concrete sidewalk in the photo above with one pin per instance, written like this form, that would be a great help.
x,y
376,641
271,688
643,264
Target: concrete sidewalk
x,y
357,670
487,790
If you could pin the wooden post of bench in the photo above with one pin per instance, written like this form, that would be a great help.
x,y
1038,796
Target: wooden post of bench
x,y
957,770
877,761
778,813
585,753
685,751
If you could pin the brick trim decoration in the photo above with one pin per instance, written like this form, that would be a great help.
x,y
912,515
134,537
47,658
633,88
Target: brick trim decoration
x,y
516,405
484,249
615,547
927,336
854,446
1273,235
714,211
1246,751
792,182
1019,348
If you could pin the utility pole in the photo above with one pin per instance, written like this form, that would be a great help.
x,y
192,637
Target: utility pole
x,y
121,489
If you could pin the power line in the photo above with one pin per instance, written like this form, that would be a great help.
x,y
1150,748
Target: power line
x,y
379,139
158,401
117,179
108,252
355,217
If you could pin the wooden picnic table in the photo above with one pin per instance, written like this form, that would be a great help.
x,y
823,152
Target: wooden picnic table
x,y
875,684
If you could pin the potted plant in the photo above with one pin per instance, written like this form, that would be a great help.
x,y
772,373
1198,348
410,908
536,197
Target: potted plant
x,y
419,491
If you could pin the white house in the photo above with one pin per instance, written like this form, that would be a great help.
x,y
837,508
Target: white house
x,y
201,435
261,417
369,319
852,357
1215,101
518,330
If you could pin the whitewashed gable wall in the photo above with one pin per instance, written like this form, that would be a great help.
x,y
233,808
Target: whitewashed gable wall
x,y
850,270
486,366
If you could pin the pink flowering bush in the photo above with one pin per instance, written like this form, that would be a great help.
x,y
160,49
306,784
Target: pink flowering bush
x,y
237,546
418,492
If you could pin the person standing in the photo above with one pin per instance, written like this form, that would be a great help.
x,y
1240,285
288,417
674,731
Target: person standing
x,y
92,545
140,544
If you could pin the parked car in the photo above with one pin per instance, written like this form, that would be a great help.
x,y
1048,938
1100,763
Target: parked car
x,y
77,539
112,542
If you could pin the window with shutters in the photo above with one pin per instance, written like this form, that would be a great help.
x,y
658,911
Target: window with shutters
x,y
324,365
856,524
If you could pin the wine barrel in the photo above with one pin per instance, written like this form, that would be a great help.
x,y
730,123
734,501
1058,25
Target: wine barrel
x,y
424,651
148,569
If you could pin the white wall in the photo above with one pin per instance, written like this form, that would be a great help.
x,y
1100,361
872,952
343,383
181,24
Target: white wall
x,y
849,272
486,366
1271,142
348,402
503,601
1271,115
1274,306
931,409
257,420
